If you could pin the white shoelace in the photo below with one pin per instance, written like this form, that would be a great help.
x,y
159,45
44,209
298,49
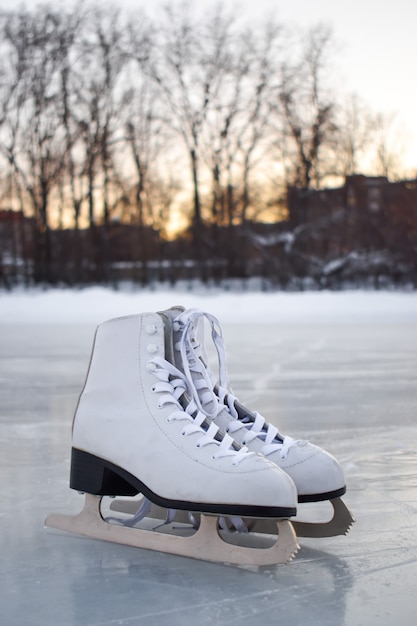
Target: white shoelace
x,y
260,429
212,396
173,385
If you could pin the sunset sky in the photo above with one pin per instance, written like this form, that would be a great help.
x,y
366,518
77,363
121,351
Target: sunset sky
x,y
377,49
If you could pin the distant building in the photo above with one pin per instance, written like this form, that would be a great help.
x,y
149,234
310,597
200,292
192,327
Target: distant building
x,y
366,194
367,227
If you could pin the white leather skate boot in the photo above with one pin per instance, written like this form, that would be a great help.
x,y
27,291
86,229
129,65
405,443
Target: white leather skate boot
x,y
137,430
316,473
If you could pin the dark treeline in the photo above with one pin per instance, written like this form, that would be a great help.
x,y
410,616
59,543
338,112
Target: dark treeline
x,y
157,148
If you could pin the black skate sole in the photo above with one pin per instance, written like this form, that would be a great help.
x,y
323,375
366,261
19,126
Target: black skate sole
x,y
92,474
320,497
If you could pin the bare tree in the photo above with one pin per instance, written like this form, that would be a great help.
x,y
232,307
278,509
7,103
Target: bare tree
x,y
186,70
98,93
11,103
387,146
355,131
145,135
39,43
236,137
307,107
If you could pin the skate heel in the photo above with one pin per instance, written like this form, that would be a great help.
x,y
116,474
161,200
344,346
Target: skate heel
x,y
91,474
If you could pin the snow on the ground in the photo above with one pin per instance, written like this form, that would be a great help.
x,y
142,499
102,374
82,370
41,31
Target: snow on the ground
x,y
96,304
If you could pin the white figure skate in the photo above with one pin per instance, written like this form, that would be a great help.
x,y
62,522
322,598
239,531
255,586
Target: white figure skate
x,y
316,474
137,430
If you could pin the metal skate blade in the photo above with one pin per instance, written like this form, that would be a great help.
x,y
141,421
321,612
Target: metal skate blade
x,y
206,543
340,523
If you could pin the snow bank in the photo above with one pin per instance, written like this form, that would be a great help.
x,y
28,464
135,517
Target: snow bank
x,y
96,304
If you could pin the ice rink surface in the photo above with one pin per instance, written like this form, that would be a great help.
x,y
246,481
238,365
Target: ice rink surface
x,y
338,369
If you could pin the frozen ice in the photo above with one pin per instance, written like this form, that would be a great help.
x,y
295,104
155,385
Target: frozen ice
x,y
337,368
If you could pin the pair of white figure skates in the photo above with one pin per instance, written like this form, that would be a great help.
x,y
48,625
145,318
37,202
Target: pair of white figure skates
x,y
215,481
